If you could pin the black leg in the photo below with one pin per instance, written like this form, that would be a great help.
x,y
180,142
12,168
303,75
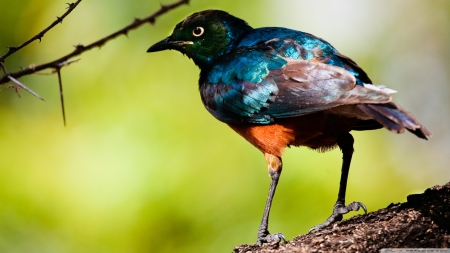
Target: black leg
x,y
275,166
345,143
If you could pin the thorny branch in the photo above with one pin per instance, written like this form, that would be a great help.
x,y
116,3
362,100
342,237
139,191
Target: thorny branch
x,y
82,48
12,49
39,36
57,64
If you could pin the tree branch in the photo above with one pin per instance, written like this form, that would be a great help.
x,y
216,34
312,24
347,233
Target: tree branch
x,y
39,36
79,49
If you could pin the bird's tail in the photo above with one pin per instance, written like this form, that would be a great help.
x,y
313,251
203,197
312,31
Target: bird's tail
x,y
395,118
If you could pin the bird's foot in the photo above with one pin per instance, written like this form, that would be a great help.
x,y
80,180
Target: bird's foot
x,y
273,239
337,215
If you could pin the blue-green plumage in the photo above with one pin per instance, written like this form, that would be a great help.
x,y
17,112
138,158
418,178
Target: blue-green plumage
x,y
279,87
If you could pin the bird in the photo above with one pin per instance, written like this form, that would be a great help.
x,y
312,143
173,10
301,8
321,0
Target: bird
x,y
279,87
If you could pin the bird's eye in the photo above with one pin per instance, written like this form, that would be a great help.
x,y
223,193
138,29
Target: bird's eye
x,y
198,31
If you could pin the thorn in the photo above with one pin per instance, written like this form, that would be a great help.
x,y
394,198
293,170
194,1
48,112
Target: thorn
x,y
79,47
101,45
70,5
24,87
59,19
40,35
61,95
2,65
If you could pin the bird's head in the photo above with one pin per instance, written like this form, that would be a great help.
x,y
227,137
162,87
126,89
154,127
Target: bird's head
x,y
204,36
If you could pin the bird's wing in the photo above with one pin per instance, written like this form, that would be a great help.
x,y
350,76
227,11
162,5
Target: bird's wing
x,y
307,86
259,86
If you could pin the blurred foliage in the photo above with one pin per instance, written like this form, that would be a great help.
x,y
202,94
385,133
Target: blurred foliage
x,y
143,167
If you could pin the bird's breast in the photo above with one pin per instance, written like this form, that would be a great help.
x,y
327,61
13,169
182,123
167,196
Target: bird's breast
x,y
317,131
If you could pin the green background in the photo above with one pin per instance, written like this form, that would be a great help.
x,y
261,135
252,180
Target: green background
x,y
143,167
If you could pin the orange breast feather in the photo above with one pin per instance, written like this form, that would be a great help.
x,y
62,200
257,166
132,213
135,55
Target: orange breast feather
x,y
316,131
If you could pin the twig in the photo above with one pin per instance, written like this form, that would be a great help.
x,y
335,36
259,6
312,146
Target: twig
x,y
39,36
81,48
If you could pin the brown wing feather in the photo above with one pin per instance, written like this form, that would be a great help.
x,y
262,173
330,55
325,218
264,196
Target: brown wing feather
x,y
305,87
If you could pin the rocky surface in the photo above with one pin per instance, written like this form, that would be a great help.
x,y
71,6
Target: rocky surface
x,y
422,222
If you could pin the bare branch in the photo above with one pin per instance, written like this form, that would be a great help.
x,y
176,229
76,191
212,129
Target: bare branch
x,y
39,36
81,48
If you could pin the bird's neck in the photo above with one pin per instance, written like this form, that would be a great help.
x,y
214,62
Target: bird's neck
x,y
236,32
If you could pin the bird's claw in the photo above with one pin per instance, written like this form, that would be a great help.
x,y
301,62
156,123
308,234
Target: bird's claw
x,y
337,215
273,239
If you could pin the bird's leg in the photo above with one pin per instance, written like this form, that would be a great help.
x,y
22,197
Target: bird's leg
x,y
345,143
274,165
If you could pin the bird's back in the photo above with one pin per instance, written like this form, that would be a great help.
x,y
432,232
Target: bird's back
x,y
302,46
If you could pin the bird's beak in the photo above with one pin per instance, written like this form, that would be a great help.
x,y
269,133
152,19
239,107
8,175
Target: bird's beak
x,y
168,43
